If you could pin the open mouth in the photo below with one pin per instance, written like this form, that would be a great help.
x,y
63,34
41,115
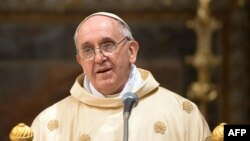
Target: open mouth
x,y
103,70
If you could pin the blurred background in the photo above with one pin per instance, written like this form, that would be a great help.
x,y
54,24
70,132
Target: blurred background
x,y
37,53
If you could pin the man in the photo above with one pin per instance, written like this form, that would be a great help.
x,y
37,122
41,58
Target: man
x,y
107,51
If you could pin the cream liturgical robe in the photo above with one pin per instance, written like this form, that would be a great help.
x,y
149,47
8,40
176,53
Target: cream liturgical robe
x,y
160,115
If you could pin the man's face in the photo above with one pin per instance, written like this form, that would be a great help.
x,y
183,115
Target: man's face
x,y
108,74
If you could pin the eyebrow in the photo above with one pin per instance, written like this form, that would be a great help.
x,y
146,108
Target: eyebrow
x,y
106,39
84,45
103,40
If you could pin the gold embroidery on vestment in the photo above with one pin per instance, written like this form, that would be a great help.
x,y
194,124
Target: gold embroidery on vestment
x,y
160,127
52,124
187,106
85,137
208,138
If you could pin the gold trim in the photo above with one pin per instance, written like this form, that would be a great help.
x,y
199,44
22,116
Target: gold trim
x,y
85,137
53,124
160,127
187,106
208,138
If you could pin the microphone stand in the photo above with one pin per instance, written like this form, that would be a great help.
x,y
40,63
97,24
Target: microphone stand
x,y
125,127
129,101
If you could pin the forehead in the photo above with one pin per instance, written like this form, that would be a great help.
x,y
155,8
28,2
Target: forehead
x,y
99,25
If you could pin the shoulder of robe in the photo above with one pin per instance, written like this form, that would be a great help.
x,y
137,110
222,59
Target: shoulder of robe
x,y
187,105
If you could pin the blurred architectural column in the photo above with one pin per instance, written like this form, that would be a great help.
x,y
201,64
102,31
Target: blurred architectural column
x,y
203,90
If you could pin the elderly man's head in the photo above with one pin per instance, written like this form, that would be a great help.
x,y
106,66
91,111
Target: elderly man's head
x,y
124,27
105,50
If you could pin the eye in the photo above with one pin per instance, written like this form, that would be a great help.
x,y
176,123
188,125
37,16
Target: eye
x,y
108,47
87,50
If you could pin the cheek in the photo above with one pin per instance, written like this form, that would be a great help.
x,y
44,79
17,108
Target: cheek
x,y
87,69
122,61
122,66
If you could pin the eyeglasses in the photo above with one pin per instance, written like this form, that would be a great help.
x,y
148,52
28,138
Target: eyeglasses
x,y
105,49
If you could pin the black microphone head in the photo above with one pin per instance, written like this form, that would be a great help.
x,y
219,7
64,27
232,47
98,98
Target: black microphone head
x,y
129,101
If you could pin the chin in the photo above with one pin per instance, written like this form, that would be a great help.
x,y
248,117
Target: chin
x,y
106,85
109,88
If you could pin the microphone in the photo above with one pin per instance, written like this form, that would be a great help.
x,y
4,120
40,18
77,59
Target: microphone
x,y
129,101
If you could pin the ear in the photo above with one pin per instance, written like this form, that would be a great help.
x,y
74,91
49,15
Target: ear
x,y
78,59
133,50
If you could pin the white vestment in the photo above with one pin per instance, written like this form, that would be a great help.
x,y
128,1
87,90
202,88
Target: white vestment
x,y
160,115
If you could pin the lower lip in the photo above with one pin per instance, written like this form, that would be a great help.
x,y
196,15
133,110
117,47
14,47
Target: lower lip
x,y
104,73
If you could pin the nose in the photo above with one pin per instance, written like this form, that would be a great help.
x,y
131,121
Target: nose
x,y
98,56
97,50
